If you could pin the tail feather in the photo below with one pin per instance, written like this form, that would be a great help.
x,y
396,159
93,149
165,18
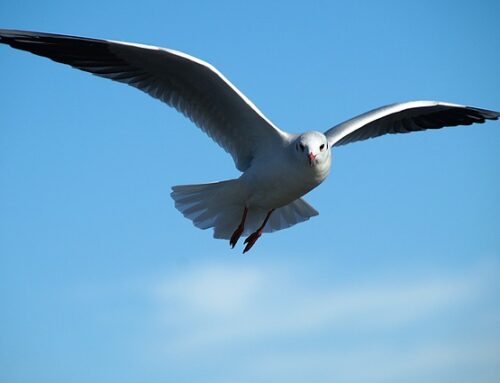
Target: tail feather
x,y
210,205
220,205
289,215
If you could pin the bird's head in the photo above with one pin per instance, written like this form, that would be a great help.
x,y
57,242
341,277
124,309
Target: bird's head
x,y
312,149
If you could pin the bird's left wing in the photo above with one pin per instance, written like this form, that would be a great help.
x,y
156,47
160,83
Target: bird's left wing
x,y
193,87
404,118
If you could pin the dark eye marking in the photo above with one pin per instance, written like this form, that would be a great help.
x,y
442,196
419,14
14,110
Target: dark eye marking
x,y
322,146
302,147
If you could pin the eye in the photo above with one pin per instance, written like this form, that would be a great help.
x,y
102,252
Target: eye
x,y
302,147
321,147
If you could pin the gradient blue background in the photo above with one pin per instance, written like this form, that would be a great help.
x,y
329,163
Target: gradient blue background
x,y
102,280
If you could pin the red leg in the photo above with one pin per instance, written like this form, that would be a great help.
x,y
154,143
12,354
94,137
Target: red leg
x,y
239,230
252,238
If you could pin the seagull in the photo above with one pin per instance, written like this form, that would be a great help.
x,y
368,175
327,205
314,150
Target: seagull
x,y
278,168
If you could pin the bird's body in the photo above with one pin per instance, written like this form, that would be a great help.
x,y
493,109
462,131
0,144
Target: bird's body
x,y
275,181
278,178
278,168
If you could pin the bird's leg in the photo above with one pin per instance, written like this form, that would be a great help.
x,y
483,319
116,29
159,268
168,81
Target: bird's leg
x,y
239,230
252,238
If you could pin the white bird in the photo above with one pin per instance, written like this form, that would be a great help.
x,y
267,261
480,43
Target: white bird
x,y
278,167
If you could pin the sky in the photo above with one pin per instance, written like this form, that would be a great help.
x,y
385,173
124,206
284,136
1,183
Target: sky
x,y
103,280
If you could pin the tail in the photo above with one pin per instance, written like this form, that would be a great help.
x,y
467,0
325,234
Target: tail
x,y
220,205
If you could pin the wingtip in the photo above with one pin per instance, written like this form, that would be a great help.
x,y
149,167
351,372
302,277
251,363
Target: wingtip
x,y
487,114
8,35
3,33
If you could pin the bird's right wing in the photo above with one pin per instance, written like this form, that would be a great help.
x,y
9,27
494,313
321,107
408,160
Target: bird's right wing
x,y
404,118
193,87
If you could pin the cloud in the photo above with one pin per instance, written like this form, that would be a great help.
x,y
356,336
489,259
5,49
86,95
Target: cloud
x,y
217,291
269,303
277,324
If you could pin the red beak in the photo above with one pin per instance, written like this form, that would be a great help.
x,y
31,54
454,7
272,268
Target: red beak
x,y
311,157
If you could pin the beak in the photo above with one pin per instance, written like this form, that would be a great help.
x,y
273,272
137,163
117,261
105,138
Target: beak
x,y
311,157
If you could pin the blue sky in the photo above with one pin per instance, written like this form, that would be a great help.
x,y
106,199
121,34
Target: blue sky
x,y
101,279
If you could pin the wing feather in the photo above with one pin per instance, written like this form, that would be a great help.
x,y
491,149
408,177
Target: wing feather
x,y
193,87
406,117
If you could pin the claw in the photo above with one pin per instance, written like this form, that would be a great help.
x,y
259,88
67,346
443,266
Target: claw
x,y
251,239
239,230
236,236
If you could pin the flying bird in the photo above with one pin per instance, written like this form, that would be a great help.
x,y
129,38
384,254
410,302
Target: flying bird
x,y
278,168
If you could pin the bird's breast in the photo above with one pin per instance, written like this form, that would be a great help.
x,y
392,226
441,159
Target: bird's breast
x,y
275,183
